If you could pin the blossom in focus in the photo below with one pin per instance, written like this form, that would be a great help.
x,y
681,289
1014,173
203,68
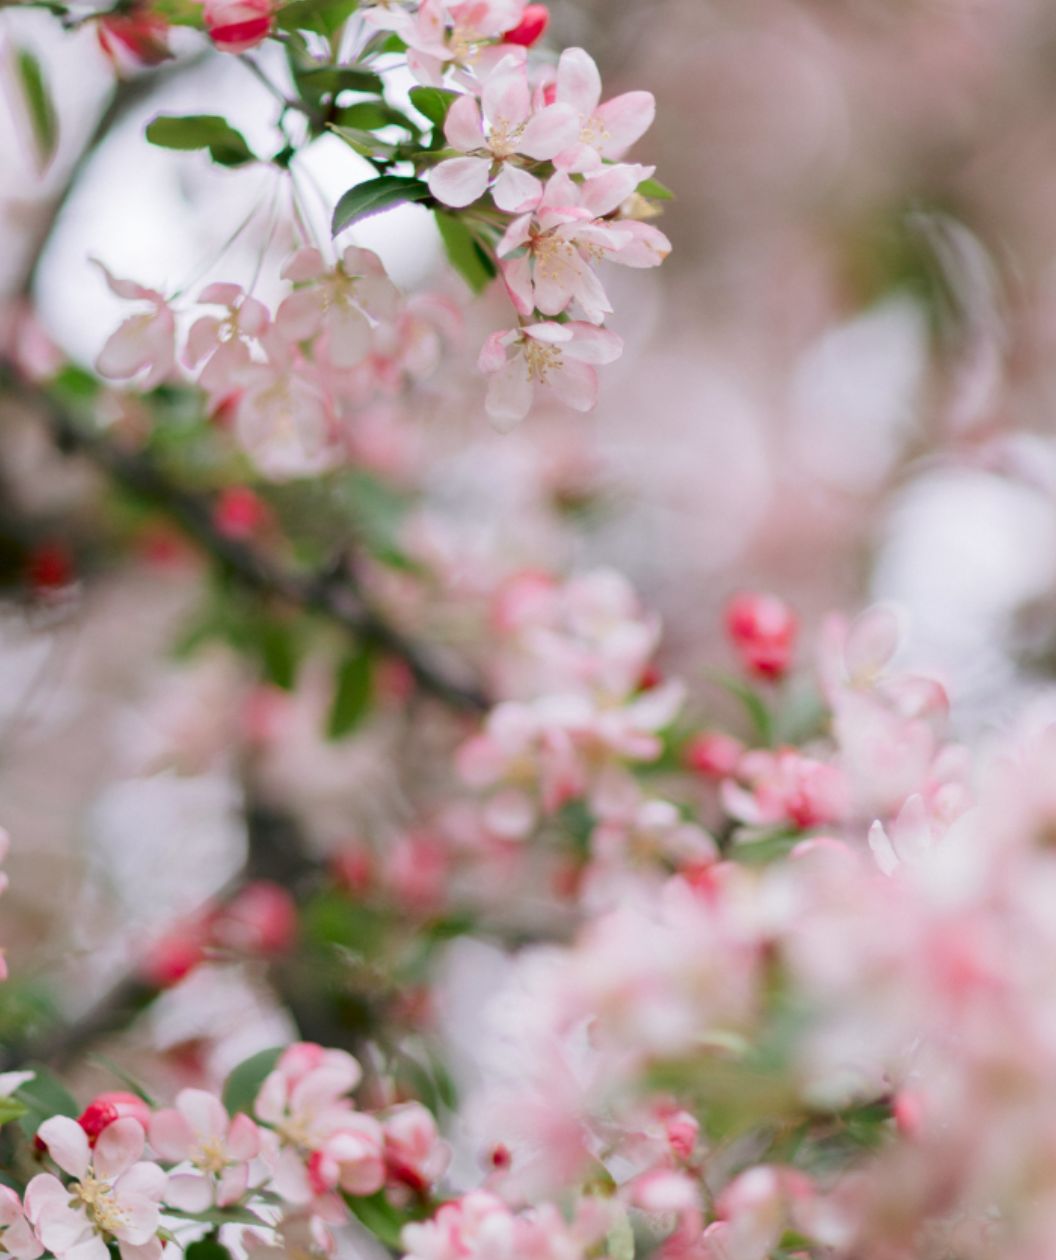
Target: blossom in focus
x,y
606,131
211,1150
112,1194
16,1233
497,133
107,1108
559,357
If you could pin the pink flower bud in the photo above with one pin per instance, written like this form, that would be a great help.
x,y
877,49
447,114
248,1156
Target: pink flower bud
x,y
261,919
531,28
237,25
763,630
239,513
713,754
174,955
105,1108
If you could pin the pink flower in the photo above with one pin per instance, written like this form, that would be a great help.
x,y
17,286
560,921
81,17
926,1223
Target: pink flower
x,y
340,302
531,28
786,787
352,1158
560,357
109,1107
112,1197
235,25
513,132
565,233
223,343
763,629
143,348
415,1154
605,131
197,1132
16,1234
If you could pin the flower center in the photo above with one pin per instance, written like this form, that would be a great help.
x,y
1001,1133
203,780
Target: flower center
x,y
503,138
210,1156
541,359
97,1199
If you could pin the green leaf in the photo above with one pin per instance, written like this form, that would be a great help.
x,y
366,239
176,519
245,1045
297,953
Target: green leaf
x,y
43,1097
353,687
374,196
226,146
365,143
330,80
207,1249
372,115
40,109
758,712
465,253
277,645
11,1109
378,1215
243,1084
433,103
321,16
653,189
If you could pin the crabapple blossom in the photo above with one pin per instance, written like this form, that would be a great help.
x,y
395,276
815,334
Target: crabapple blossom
x,y
559,357
16,1234
143,348
235,26
567,231
221,346
108,1107
763,630
415,1154
605,130
212,1151
113,1194
497,133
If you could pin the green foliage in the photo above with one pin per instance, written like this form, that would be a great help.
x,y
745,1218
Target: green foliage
x,y
226,146
324,17
465,252
353,689
433,103
654,190
374,196
379,1216
759,715
43,1097
207,1249
244,1082
11,1109
40,109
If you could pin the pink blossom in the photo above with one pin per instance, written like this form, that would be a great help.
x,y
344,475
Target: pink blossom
x,y
763,629
223,345
559,357
606,131
352,1158
16,1234
565,233
111,1196
106,1108
415,1154
497,133
143,348
237,25
212,1150
786,787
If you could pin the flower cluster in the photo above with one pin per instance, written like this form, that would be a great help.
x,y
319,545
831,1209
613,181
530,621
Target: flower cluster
x,y
130,1176
296,382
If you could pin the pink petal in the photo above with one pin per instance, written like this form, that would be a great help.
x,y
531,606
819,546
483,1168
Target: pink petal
x,y
150,1250
624,120
201,340
510,393
220,294
593,345
270,1104
127,289
578,81
647,247
204,1112
67,1144
253,317
299,315
872,642
118,1147
170,1135
549,130
493,352
143,1181
190,1192
517,276
515,190
306,264
233,1182
575,384
507,99
515,236
243,1138
460,181
463,127
604,193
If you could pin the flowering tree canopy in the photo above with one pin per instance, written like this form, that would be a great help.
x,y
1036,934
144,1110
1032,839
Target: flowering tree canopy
x,y
534,924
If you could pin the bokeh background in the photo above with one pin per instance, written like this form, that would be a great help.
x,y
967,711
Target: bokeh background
x,y
841,387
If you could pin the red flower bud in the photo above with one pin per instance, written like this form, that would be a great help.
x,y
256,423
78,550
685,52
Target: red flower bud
x,y
763,630
532,26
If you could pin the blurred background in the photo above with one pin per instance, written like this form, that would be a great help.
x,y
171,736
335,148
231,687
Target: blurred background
x,y
840,388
